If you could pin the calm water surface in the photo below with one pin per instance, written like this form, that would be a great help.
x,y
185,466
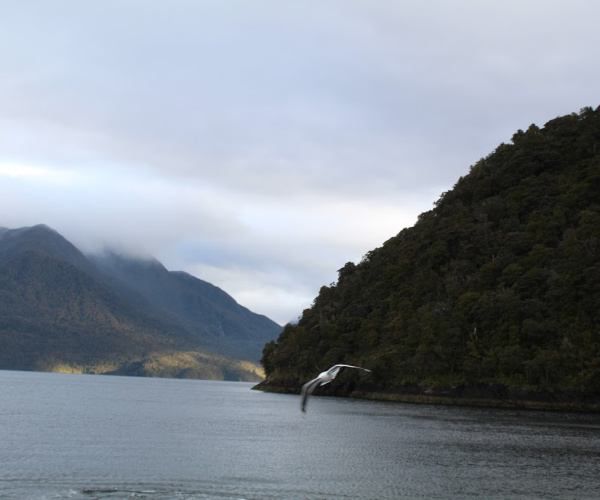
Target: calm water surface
x,y
86,437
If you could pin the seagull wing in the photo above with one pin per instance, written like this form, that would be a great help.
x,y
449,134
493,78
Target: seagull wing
x,y
334,370
307,390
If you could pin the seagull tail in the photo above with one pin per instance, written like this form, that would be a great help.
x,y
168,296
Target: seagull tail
x,y
307,390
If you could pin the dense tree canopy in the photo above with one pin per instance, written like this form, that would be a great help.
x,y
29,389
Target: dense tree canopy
x,y
498,284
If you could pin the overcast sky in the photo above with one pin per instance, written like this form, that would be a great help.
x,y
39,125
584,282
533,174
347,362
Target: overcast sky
x,y
260,145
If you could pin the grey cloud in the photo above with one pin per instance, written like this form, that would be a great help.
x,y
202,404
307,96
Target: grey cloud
x,y
237,110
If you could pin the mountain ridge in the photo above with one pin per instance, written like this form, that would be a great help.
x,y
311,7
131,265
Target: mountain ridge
x,y
199,306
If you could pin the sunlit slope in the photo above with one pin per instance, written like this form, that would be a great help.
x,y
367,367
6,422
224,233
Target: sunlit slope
x,y
495,292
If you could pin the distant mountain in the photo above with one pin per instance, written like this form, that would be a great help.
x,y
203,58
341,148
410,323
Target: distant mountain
x,y
494,293
61,310
204,310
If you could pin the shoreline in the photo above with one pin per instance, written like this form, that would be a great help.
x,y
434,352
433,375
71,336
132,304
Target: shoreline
x,y
447,400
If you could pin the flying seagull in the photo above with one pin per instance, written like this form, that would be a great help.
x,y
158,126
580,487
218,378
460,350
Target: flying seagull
x,y
322,379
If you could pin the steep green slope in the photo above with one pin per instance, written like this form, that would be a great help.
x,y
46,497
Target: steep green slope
x,y
493,293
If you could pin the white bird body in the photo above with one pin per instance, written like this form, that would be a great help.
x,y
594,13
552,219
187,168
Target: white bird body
x,y
322,379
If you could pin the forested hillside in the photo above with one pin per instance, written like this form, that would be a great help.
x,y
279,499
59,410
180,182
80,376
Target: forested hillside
x,y
497,287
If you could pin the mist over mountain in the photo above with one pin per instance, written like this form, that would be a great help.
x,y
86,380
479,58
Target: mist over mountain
x,y
494,293
61,309
204,310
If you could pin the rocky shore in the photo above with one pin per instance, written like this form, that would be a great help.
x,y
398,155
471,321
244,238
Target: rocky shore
x,y
482,395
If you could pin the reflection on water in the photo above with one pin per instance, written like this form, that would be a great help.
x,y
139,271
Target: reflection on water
x,y
86,437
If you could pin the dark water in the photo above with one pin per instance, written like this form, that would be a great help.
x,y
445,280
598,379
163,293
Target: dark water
x,y
85,437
